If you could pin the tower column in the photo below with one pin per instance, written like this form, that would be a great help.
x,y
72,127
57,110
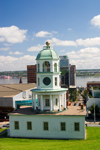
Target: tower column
x,y
32,100
50,102
52,67
38,100
41,68
41,103
35,101
59,102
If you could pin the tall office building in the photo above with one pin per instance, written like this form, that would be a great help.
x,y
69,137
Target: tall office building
x,y
72,75
65,73
31,73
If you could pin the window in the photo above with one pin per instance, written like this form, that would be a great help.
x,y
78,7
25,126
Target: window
x,y
76,126
38,68
46,66
56,101
45,126
56,81
38,81
16,124
63,126
47,102
29,125
55,67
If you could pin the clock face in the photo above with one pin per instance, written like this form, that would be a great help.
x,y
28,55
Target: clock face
x,y
46,81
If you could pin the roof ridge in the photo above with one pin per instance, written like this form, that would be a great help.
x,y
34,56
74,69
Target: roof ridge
x,y
12,88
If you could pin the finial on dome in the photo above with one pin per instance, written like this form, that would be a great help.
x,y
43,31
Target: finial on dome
x,y
47,43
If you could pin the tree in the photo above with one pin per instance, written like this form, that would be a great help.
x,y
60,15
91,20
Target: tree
x,y
74,95
85,94
96,109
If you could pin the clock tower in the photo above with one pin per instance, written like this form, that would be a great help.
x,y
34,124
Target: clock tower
x,y
49,93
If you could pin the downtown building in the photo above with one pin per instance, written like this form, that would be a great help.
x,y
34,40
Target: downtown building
x,y
68,72
31,73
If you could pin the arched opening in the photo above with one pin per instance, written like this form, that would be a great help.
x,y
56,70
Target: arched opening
x,y
46,66
38,67
55,67
55,81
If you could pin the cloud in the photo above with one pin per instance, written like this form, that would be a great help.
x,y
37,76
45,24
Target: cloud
x,y
62,51
96,21
69,29
8,63
16,53
10,53
12,34
4,48
79,42
88,41
35,48
43,34
87,58
54,32
58,42
6,44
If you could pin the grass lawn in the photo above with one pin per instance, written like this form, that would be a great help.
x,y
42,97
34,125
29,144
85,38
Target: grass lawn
x,y
2,130
91,143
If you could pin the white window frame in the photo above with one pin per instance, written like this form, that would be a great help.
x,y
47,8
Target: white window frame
x,y
45,126
55,67
16,125
56,101
38,67
47,102
63,126
55,81
29,125
76,126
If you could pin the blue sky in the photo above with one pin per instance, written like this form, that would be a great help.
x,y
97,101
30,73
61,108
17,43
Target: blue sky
x,y
71,26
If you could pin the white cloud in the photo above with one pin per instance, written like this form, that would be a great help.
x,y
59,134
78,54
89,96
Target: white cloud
x,y
79,42
8,63
58,42
87,58
88,41
54,32
10,53
35,48
43,34
12,34
2,39
6,44
69,29
4,48
96,21
16,53
62,51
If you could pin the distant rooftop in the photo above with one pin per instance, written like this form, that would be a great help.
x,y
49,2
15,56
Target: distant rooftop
x,y
10,90
93,82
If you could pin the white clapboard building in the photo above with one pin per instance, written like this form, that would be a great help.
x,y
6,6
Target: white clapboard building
x,y
51,118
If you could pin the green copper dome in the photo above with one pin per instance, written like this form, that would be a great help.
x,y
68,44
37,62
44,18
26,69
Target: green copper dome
x,y
47,53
